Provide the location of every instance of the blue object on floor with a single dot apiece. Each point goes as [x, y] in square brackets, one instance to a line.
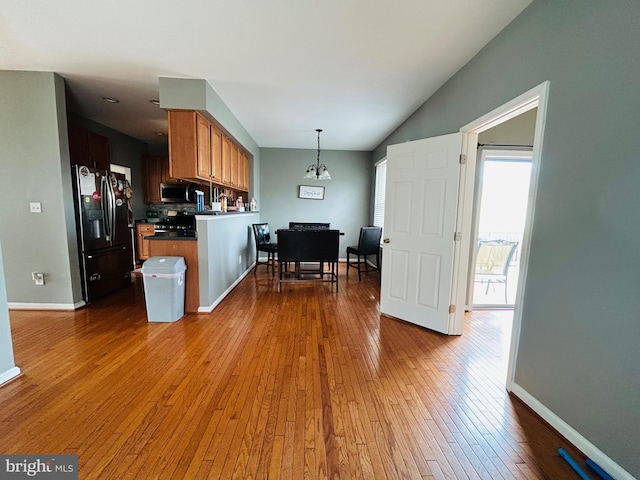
[596, 468]
[572, 463]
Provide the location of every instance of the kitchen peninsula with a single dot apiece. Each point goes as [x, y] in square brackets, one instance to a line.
[220, 256]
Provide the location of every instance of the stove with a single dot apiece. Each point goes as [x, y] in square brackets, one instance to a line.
[177, 226]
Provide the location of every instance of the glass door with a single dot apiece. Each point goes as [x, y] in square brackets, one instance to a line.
[502, 206]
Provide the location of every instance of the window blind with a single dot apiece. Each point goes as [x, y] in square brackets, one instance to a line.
[378, 202]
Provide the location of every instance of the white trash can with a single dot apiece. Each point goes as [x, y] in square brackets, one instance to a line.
[164, 288]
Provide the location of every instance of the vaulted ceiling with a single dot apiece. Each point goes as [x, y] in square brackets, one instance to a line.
[355, 68]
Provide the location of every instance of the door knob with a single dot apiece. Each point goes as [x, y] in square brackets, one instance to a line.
[386, 240]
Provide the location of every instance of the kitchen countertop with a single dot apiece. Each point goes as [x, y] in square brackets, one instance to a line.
[209, 212]
[169, 237]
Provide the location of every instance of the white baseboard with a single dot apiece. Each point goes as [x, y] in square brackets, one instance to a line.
[9, 374]
[45, 306]
[566, 430]
[210, 308]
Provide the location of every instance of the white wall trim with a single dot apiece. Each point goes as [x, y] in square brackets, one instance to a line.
[580, 442]
[44, 306]
[9, 374]
[217, 301]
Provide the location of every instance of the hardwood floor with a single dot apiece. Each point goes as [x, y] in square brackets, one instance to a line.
[307, 383]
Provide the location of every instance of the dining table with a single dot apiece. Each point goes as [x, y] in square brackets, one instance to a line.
[304, 247]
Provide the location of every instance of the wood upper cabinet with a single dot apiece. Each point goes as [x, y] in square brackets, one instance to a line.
[203, 151]
[88, 148]
[234, 165]
[216, 154]
[166, 177]
[151, 178]
[189, 146]
[226, 160]
[99, 154]
[243, 171]
[199, 152]
[155, 171]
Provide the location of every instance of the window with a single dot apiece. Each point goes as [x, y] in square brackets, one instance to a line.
[378, 201]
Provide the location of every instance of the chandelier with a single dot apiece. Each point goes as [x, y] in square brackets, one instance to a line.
[318, 171]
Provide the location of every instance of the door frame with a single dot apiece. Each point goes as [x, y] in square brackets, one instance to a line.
[535, 97]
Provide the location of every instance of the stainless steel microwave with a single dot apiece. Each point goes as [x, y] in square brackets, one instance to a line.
[177, 193]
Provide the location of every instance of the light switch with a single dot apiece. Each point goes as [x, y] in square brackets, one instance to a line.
[36, 207]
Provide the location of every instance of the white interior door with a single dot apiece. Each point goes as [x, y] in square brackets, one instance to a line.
[420, 222]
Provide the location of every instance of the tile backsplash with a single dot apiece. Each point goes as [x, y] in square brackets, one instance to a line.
[163, 209]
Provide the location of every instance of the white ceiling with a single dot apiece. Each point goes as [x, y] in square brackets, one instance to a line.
[355, 68]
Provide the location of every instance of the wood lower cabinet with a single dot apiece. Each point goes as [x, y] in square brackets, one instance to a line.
[188, 249]
[142, 245]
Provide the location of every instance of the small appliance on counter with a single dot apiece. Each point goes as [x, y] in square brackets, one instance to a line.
[200, 200]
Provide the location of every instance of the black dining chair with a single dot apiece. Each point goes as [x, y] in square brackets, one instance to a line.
[368, 244]
[264, 244]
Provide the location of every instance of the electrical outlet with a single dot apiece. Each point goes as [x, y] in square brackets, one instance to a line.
[38, 278]
[35, 207]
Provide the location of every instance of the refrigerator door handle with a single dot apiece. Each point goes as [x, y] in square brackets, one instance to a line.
[103, 205]
[112, 206]
[106, 207]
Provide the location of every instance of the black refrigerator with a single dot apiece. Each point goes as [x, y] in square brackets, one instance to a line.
[104, 237]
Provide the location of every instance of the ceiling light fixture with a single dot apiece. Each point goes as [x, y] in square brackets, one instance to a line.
[155, 102]
[318, 171]
[110, 100]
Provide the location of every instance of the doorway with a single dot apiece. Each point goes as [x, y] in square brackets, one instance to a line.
[536, 98]
[430, 196]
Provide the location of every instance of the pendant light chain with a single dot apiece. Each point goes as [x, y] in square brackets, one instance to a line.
[318, 130]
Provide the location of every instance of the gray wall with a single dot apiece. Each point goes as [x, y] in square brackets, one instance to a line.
[35, 167]
[222, 241]
[34, 160]
[347, 194]
[6, 347]
[578, 351]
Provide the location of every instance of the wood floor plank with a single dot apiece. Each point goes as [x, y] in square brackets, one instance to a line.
[306, 383]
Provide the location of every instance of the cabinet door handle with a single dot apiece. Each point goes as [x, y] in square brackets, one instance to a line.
[386, 240]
